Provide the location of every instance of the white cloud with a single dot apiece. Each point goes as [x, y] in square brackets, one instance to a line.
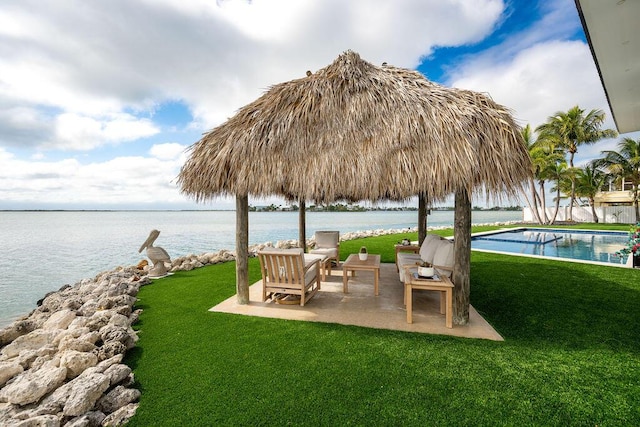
[539, 81]
[78, 75]
[74, 131]
[82, 62]
[122, 180]
[168, 151]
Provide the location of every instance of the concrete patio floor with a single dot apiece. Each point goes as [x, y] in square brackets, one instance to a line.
[361, 308]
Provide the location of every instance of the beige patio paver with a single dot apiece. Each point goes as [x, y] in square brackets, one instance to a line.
[360, 308]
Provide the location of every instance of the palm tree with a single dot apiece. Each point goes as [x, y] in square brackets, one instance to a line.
[573, 129]
[547, 160]
[588, 182]
[527, 136]
[557, 173]
[625, 163]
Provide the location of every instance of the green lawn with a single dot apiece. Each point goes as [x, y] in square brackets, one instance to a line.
[570, 355]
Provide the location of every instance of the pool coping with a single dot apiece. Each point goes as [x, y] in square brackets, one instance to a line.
[581, 261]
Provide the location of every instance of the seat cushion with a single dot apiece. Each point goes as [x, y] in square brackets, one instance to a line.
[429, 247]
[311, 275]
[444, 257]
[406, 258]
[327, 239]
[327, 252]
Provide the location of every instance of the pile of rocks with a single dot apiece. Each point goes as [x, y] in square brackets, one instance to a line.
[62, 364]
[189, 262]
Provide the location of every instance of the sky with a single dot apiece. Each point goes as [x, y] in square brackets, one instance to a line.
[100, 99]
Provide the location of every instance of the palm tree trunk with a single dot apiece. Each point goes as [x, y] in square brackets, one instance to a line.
[573, 188]
[635, 203]
[593, 209]
[555, 214]
[543, 202]
[534, 195]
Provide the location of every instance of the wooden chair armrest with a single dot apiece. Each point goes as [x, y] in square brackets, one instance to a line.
[310, 264]
[408, 248]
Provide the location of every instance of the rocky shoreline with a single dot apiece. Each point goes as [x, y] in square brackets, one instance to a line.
[62, 364]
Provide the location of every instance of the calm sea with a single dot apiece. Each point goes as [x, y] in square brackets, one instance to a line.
[42, 251]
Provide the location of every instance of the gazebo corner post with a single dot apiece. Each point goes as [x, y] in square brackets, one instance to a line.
[462, 253]
[302, 225]
[242, 248]
[422, 217]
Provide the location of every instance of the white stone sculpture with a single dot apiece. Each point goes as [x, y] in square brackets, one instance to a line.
[156, 254]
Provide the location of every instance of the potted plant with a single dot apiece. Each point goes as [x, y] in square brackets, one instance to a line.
[633, 246]
[363, 253]
[425, 269]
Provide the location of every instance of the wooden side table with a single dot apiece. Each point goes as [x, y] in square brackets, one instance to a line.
[353, 264]
[442, 284]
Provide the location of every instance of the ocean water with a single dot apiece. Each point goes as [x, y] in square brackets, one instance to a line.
[42, 251]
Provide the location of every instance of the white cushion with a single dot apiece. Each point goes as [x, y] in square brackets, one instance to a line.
[327, 252]
[429, 247]
[405, 258]
[311, 275]
[444, 257]
[327, 239]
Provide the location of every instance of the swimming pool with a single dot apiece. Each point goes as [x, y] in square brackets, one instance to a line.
[572, 245]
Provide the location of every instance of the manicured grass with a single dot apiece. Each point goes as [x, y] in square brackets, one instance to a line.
[570, 355]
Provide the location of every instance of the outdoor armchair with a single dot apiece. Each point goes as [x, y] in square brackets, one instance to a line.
[327, 244]
[285, 272]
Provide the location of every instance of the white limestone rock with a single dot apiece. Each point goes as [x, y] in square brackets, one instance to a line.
[125, 335]
[9, 370]
[31, 341]
[31, 385]
[117, 398]
[119, 320]
[121, 416]
[90, 419]
[85, 390]
[39, 421]
[106, 364]
[76, 362]
[117, 373]
[84, 343]
[13, 331]
[109, 350]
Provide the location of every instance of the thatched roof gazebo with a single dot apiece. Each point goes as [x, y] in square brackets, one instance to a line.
[355, 131]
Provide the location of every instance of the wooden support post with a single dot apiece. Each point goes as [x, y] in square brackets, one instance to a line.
[462, 253]
[302, 226]
[422, 217]
[242, 248]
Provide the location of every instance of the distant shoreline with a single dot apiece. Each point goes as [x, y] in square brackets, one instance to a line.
[260, 211]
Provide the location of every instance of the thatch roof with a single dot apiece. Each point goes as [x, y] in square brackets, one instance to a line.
[356, 131]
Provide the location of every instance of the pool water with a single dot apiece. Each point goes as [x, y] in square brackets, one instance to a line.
[583, 245]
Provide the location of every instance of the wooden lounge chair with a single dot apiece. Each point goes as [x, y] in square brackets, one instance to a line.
[285, 272]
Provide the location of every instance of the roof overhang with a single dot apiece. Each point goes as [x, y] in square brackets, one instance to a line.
[614, 39]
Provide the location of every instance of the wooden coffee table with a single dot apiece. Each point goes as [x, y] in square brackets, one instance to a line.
[353, 264]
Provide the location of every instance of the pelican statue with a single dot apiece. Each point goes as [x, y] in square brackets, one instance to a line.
[156, 254]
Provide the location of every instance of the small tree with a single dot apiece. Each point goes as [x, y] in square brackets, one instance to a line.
[572, 129]
[588, 182]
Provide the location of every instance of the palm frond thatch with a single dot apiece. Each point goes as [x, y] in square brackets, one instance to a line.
[356, 131]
